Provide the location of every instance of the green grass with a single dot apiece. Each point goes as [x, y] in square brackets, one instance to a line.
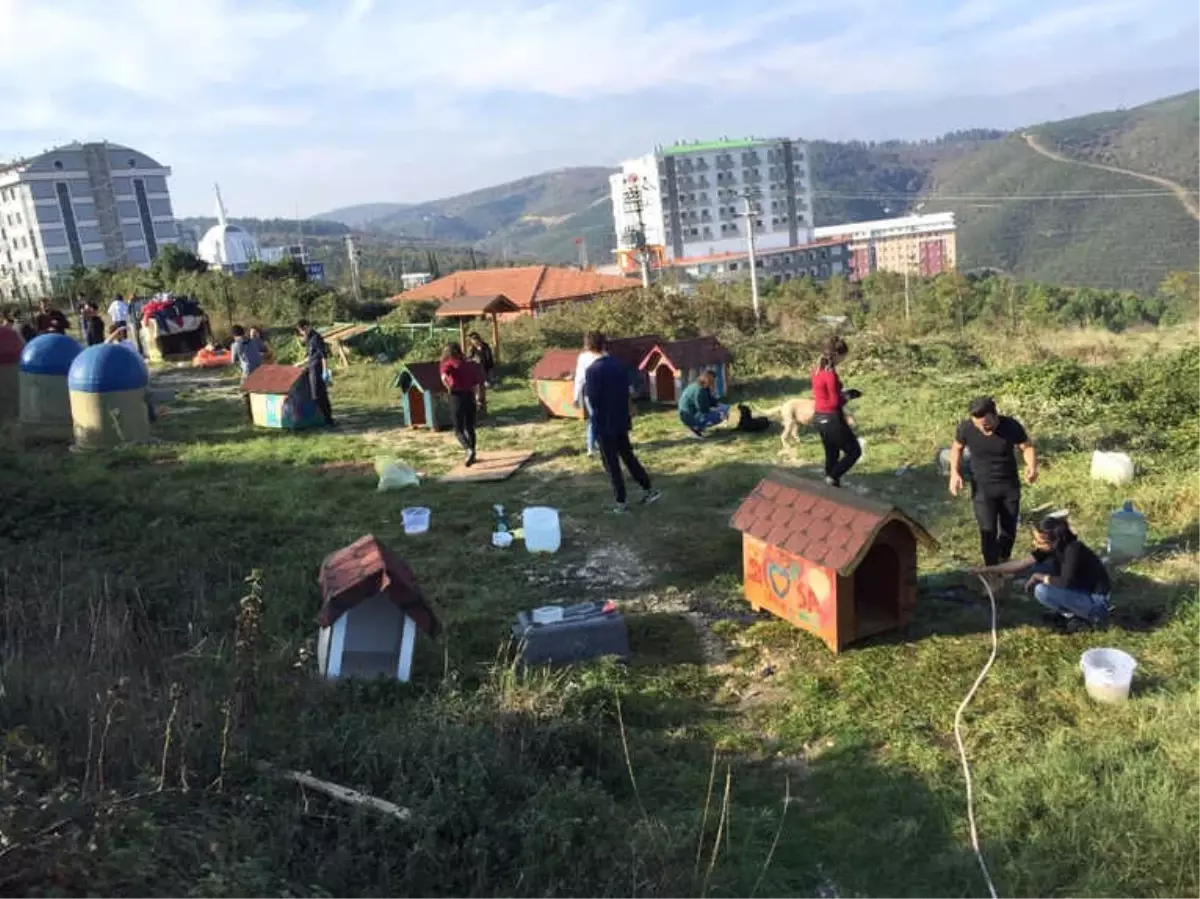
[120, 579]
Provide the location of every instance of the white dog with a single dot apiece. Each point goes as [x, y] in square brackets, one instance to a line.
[797, 414]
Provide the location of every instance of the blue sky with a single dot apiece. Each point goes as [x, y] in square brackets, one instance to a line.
[312, 104]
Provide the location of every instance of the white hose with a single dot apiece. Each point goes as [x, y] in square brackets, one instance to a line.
[962, 752]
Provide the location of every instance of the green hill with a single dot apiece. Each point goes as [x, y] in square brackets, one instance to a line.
[1018, 210]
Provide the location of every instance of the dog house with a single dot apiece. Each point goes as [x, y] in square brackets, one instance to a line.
[424, 400]
[280, 397]
[828, 561]
[670, 367]
[371, 610]
[631, 351]
[554, 383]
[11, 345]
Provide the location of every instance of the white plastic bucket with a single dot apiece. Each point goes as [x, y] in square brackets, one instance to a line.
[1107, 674]
[1112, 468]
[542, 532]
[416, 520]
[502, 539]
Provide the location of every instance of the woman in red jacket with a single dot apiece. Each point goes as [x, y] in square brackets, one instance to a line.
[829, 401]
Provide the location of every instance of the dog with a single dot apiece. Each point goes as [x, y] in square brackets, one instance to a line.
[797, 414]
[748, 421]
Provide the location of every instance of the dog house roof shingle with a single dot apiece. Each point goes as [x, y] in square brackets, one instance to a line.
[367, 568]
[273, 379]
[685, 355]
[827, 525]
[556, 365]
[426, 375]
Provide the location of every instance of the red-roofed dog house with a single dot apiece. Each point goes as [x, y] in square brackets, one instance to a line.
[828, 561]
[280, 397]
[424, 400]
[670, 367]
[371, 610]
[554, 383]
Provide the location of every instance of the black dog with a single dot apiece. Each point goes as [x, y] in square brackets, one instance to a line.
[747, 421]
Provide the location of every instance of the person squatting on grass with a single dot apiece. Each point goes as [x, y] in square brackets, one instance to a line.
[995, 485]
[698, 407]
[462, 378]
[829, 412]
[607, 390]
[1066, 576]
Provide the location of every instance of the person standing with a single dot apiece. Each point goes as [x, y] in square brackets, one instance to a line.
[118, 311]
[698, 407]
[995, 485]
[462, 378]
[607, 390]
[50, 320]
[316, 361]
[841, 445]
[93, 325]
[481, 354]
[246, 353]
[582, 363]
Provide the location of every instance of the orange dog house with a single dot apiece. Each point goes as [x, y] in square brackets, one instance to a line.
[828, 561]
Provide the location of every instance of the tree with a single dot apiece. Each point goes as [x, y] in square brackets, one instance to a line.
[173, 261]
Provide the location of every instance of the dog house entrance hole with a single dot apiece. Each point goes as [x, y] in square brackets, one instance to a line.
[877, 589]
[664, 384]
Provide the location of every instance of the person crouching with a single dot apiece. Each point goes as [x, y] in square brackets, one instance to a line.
[699, 409]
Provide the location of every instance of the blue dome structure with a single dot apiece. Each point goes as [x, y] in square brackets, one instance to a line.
[49, 354]
[107, 368]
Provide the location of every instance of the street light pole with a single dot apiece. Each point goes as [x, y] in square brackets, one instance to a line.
[749, 213]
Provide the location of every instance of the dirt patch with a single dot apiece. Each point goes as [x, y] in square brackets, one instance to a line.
[604, 568]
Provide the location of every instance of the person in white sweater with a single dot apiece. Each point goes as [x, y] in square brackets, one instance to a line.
[586, 358]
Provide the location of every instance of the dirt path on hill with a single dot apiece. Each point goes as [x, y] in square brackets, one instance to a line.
[1185, 196]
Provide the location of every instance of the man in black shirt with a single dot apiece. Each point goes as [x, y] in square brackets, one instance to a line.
[1066, 576]
[93, 325]
[316, 362]
[995, 485]
[50, 320]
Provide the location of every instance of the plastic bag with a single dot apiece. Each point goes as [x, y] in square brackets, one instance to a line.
[394, 474]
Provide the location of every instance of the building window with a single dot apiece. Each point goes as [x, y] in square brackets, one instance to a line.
[58, 164]
[139, 188]
[68, 215]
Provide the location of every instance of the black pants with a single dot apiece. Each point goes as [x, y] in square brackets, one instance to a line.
[320, 393]
[997, 511]
[462, 411]
[841, 446]
[615, 449]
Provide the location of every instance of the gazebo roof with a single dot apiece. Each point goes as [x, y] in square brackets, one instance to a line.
[473, 307]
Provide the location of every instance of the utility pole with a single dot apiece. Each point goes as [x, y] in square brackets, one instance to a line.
[635, 205]
[355, 280]
[748, 196]
[581, 242]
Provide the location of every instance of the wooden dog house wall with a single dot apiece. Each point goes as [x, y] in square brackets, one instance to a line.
[828, 561]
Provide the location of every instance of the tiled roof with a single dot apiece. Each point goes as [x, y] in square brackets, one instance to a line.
[364, 569]
[428, 376]
[467, 306]
[556, 365]
[524, 285]
[684, 355]
[273, 379]
[631, 350]
[829, 526]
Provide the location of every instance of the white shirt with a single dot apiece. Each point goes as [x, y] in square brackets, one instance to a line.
[118, 311]
[582, 364]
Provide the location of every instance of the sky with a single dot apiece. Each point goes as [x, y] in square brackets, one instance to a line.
[303, 106]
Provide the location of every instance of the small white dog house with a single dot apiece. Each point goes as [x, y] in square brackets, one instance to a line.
[371, 610]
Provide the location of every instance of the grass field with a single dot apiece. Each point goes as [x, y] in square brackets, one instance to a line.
[734, 756]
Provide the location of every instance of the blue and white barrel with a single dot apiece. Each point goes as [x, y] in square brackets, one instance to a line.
[108, 397]
[45, 404]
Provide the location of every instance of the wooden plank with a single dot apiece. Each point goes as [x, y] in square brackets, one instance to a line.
[489, 466]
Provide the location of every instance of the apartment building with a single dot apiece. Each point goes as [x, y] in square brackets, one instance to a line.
[689, 200]
[918, 244]
[80, 205]
[817, 260]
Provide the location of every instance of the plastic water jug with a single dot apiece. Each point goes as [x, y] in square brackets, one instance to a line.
[1112, 468]
[1126, 532]
[501, 520]
[542, 533]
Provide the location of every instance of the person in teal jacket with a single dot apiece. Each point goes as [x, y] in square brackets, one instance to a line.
[698, 407]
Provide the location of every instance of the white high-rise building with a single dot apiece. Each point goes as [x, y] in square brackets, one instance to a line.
[692, 199]
[80, 205]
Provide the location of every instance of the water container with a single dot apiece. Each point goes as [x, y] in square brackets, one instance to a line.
[542, 533]
[1126, 532]
[501, 520]
[1107, 674]
[1112, 468]
[416, 520]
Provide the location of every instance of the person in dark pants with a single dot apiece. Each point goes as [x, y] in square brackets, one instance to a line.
[606, 387]
[481, 354]
[462, 378]
[93, 325]
[316, 360]
[829, 412]
[995, 484]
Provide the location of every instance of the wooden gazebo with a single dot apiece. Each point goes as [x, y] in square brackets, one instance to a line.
[467, 307]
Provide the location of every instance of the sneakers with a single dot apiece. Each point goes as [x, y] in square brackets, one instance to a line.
[651, 496]
[832, 482]
[620, 509]
[470, 460]
[697, 433]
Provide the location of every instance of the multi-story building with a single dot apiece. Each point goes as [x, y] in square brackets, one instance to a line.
[916, 244]
[80, 205]
[819, 260]
[689, 200]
